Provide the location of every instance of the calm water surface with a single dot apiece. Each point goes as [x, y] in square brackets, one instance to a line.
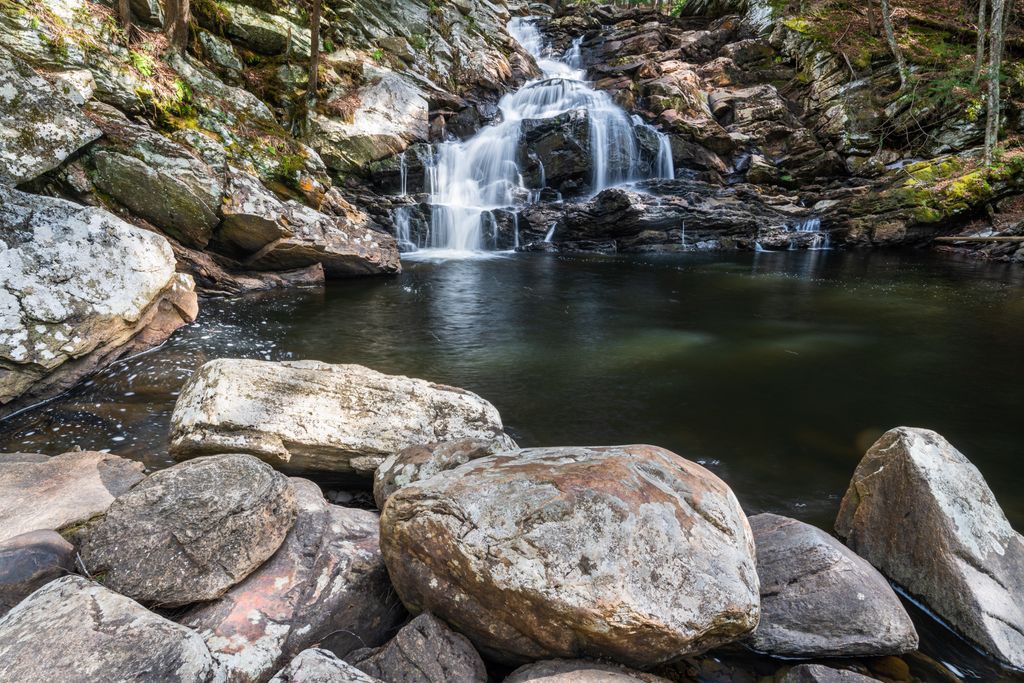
[775, 370]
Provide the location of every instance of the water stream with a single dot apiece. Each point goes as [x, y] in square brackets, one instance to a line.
[468, 180]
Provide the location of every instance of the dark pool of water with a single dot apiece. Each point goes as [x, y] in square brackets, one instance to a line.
[775, 370]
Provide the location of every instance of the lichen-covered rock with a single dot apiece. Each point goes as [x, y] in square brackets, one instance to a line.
[320, 666]
[39, 128]
[579, 671]
[920, 511]
[73, 629]
[818, 599]
[512, 550]
[424, 651]
[30, 560]
[817, 673]
[266, 33]
[79, 289]
[326, 585]
[190, 532]
[317, 416]
[43, 492]
[423, 461]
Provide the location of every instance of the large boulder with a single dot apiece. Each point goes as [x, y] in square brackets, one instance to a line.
[422, 461]
[80, 288]
[263, 32]
[579, 671]
[190, 532]
[512, 550]
[39, 128]
[42, 492]
[918, 510]
[424, 651]
[320, 666]
[326, 585]
[315, 416]
[818, 599]
[73, 629]
[29, 561]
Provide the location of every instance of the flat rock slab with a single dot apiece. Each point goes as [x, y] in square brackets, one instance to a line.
[817, 673]
[819, 599]
[326, 585]
[320, 666]
[625, 552]
[39, 128]
[29, 561]
[190, 532]
[77, 631]
[424, 651]
[919, 511]
[40, 492]
[579, 671]
[308, 415]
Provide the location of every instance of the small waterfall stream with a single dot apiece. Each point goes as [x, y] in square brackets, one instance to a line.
[468, 180]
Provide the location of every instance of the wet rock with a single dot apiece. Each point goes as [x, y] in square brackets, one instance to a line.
[316, 416]
[816, 673]
[30, 560]
[922, 513]
[39, 128]
[81, 288]
[818, 599]
[320, 666]
[41, 492]
[556, 151]
[284, 607]
[424, 651]
[190, 532]
[75, 628]
[511, 551]
[420, 462]
[579, 671]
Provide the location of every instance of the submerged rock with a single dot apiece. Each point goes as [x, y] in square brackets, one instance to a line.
[42, 492]
[190, 532]
[424, 651]
[315, 416]
[419, 462]
[922, 513]
[80, 289]
[30, 560]
[74, 629]
[39, 128]
[818, 599]
[579, 671]
[512, 551]
[320, 666]
[326, 585]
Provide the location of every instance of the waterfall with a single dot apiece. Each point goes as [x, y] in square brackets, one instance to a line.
[467, 180]
[403, 171]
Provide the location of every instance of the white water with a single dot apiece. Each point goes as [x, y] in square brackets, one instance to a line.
[468, 180]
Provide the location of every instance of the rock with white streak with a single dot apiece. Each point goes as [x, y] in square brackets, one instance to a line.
[314, 416]
[512, 551]
[78, 631]
[39, 127]
[919, 511]
[326, 585]
[79, 288]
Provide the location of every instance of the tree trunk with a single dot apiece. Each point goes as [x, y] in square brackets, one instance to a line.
[979, 53]
[124, 15]
[178, 19]
[995, 67]
[894, 47]
[872, 29]
[314, 51]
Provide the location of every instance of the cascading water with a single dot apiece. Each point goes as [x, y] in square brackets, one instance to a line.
[468, 180]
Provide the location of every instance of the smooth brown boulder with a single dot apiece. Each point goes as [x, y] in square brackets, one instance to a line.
[625, 552]
[29, 561]
[326, 585]
[424, 651]
[819, 599]
[190, 532]
[40, 492]
[920, 512]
